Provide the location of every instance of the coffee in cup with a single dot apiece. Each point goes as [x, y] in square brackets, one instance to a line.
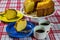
[46, 24]
[39, 32]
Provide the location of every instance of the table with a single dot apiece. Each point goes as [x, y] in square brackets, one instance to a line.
[18, 5]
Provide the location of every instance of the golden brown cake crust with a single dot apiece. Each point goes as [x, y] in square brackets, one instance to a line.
[28, 6]
[45, 9]
[43, 5]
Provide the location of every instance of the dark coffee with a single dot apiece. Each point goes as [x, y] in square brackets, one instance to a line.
[44, 23]
[40, 31]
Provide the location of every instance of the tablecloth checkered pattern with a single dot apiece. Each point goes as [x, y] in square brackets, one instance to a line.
[18, 5]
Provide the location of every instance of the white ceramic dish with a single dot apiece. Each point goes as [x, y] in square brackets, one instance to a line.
[36, 17]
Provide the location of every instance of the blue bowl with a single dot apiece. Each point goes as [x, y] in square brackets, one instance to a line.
[13, 33]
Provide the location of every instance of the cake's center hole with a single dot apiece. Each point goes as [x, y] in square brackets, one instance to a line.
[36, 5]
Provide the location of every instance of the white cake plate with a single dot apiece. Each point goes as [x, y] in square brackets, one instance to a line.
[36, 19]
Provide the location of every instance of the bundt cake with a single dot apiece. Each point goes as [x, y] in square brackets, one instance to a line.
[20, 25]
[28, 6]
[10, 13]
[45, 8]
[42, 7]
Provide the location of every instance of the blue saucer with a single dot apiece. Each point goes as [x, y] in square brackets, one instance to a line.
[13, 33]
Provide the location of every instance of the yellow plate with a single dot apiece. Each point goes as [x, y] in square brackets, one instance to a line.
[19, 16]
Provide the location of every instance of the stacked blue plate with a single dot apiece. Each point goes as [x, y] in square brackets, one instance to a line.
[13, 33]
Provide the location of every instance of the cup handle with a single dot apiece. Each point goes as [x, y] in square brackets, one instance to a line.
[48, 32]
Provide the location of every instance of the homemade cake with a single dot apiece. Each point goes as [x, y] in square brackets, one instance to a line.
[28, 6]
[45, 8]
[39, 7]
[20, 25]
[10, 13]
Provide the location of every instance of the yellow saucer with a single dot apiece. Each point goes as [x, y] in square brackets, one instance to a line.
[19, 16]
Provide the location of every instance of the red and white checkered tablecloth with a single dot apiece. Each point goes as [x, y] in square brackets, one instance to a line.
[18, 5]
